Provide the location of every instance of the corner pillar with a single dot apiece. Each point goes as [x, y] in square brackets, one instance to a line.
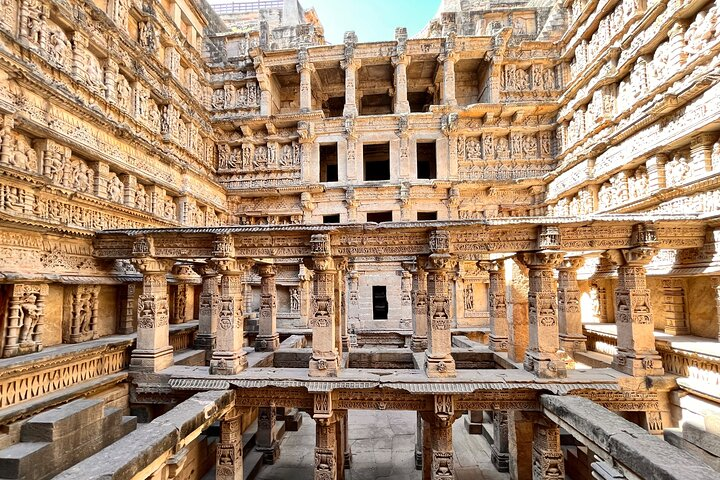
[266, 439]
[402, 106]
[351, 67]
[419, 340]
[569, 315]
[438, 358]
[496, 305]
[499, 451]
[209, 310]
[548, 462]
[268, 339]
[448, 87]
[305, 69]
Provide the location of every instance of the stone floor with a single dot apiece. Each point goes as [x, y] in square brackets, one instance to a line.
[383, 445]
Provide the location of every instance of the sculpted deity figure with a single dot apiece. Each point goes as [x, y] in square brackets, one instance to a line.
[294, 299]
[170, 209]
[24, 156]
[141, 197]
[115, 189]
[58, 46]
[716, 156]
[521, 79]
[29, 313]
[530, 146]
[286, 159]
[469, 297]
[503, 149]
[472, 149]
[123, 93]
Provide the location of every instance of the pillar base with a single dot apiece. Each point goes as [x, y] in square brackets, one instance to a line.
[650, 364]
[324, 367]
[677, 330]
[418, 343]
[418, 459]
[151, 360]
[498, 344]
[500, 460]
[228, 363]
[204, 341]
[402, 108]
[545, 365]
[573, 343]
[267, 343]
[439, 367]
[270, 454]
[348, 459]
[350, 110]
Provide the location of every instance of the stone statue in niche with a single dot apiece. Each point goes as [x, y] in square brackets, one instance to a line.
[25, 319]
[84, 313]
[147, 37]
[22, 156]
[115, 189]
[35, 21]
[294, 300]
[81, 177]
[123, 93]
[141, 197]
[170, 209]
[94, 74]
[677, 170]
[469, 296]
[29, 315]
[13, 199]
[58, 47]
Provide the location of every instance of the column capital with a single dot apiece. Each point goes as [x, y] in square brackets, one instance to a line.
[230, 266]
[149, 265]
[543, 259]
[571, 263]
[350, 63]
[305, 67]
[449, 56]
[205, 270]
[266, 269]
[400, 59]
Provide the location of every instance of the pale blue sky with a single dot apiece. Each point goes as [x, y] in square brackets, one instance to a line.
[372, 20]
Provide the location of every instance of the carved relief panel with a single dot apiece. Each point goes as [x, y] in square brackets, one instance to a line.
[80, 313]
[24, 320]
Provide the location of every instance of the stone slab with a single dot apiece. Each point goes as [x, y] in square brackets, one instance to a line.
[60, 421]
[699, 436]
[22, 457]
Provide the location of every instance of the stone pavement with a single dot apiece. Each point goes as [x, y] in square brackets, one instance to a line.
[383, 445]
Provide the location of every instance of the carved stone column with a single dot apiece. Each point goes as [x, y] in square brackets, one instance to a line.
[448, 87]
[341, 335]
[419, 442]
[674, 307]
[183, 304]
[548, 462]
[25, 319]
[229, 464]
[440, 424]
[351, 67]
[209, 310]
[353, 280]
[324, 361]
[496, 305]
[499, 451]
[438, 359]
[701, 148]
[341, 441]
[229, 357]
[656, 171]
[541, 356]
[266, 440]
[676, 35]
[126, 325]
[636, 354]
[400, 62]
[153, 351]
[326, 459]
[6, 139]
[569, 316]
[419, 341]
[268, 339]
[305, 69]
[716, 288]
[111, 72]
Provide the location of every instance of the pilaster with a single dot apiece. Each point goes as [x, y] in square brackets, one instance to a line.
[438, 359]
[268, 339]
[569, 315]
[496, 305]
[351, 66]
[129, 310]
[305, 69]
[266, 440]
[499, 451]
[701, 148]
[674, 306]
[400, 62]
[548, 462]
[209, 310]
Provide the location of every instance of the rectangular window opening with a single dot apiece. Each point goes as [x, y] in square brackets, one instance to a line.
[380, 302]
[426, 160]
[379, 217]
[376, 161]
[427, 216]
[329, 162]
[331, 218]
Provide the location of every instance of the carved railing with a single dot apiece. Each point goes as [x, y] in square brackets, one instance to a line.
[698, 366]
[183, 338]
[33, 379]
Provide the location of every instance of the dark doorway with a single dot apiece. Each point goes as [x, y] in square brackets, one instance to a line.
[380, 303]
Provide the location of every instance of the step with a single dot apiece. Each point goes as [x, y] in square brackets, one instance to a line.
[252, 463]
[22, 457]
[593, 359]
[48, 426]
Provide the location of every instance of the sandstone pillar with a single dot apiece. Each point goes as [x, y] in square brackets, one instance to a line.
[716, 288]
[268, 339]
[126, 324]
[25, 319]
[182, 306]
[305, 69]
[341, 442]
[438, 359]
[266, 440]
[676, 35]
[439, 431]
[499, 451]
[569, 316]
[324, 361]
[326, 450]
[153, 351]
[516, 300]
[448, 87]
[209, 310]
[496, 305]
[419, 341]
[346, 438]
[701, 148]
[341, 333]
[419, 442]
[229, 463]
[636, 354]
[542, 357]
[400, 62]
[520, 441]
[79, 56]
[351, 67]
[229, 357]
[548, 462]
[656, 171]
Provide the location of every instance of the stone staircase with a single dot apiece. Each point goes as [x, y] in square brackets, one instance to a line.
[56, 439]
[699, 438]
